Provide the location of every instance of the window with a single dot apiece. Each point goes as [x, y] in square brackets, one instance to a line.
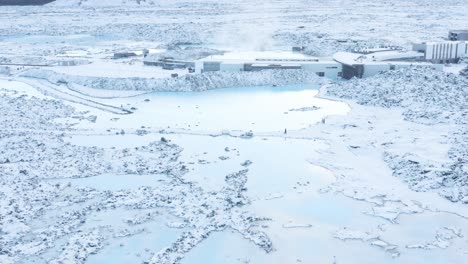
[340, 74]
[321, 74]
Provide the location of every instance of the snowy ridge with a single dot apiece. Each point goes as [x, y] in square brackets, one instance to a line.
[427, 97]
[101, 3]
[201, 82]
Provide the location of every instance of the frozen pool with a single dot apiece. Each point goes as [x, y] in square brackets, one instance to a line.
[278, 164]
[282, 184]
[137, 248]
[260, 109]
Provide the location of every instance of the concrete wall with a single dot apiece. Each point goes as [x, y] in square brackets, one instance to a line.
[446, 51]
[207, 66]
[233, 67]
[210, 66]
[373, 69]
[66, 63]
[198, 67]
[331, 70]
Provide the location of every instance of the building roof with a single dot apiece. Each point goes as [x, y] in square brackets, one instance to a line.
[261, 55]
[395, 55]
[350, 58]
[270, 57]
[377, 49]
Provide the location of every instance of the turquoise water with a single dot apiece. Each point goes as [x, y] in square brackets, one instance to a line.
[260, 109]
[279, 164]
[137, 248]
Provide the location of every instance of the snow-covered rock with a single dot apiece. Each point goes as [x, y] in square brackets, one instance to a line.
[427, 97]
[199, 82]
[37, 168]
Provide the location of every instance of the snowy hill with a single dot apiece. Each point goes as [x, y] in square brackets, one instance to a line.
[24, 2]
[101, 3]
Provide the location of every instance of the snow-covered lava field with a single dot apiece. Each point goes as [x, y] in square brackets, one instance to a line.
[113, 161]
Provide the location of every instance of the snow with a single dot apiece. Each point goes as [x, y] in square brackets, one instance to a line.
[272, 212]
[427, 97]
[112, 69]
[80, 245]
[99, 165]
[198, 82]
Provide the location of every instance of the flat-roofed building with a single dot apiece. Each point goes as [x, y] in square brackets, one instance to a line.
[258, 61]
[270, 66]
[457, 35]
[443, 52]
[366, 65]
